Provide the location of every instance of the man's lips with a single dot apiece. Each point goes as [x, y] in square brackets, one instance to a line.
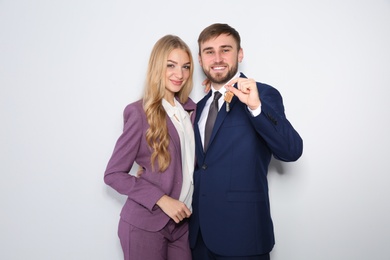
[218, 67]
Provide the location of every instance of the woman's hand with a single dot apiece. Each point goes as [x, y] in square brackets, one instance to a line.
[207, 84]
[175, 209]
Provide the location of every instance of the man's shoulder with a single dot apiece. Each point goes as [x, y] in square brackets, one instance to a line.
[203, 100]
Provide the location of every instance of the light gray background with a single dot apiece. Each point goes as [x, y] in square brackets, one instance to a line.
[68, 68]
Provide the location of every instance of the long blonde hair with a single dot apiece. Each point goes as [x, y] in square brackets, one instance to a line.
[157, 135]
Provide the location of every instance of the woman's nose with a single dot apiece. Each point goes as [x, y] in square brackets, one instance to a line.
[179, 73]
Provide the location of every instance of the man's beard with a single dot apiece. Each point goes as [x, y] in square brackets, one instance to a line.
[219, 78]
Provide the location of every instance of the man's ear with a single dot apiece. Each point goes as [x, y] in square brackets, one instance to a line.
[240, 55]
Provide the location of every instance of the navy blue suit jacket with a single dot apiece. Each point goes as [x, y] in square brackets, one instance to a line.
[231, 201]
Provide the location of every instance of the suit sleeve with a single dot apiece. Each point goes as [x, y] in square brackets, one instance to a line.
[273, 126]
[125, 153]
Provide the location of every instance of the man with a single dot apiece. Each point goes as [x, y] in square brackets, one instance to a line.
[231, 212]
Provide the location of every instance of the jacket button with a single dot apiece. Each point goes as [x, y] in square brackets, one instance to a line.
[204, 166]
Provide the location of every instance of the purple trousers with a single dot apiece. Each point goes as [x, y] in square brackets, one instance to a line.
[170, 243]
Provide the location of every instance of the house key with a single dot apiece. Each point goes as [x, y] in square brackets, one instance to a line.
[228, 98]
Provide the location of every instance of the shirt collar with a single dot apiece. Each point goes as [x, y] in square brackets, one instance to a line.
[172, 110]
[168, 107]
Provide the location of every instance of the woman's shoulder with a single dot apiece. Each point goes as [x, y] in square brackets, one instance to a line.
[134, 105]
[189, 104]
[134, 108]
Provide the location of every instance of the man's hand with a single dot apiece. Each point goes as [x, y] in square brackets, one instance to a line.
[246, 91]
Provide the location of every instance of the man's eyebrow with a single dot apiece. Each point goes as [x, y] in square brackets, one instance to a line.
[220, 47]
[208, 48]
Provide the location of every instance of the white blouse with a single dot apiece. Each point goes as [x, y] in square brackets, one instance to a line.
[182, 122]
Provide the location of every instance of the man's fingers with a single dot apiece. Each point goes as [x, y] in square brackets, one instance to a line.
[233, 89]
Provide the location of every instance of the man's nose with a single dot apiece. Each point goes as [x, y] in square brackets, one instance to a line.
[218, 57]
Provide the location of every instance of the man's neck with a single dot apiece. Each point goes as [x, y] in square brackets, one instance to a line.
[218, 86]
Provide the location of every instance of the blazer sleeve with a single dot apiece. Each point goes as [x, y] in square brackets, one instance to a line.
[127, 149]
[273, 126]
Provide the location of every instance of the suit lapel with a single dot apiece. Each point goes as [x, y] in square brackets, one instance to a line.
[200, 106]
[198, 142]
[218, 122]
[172, 132]
[221, 117]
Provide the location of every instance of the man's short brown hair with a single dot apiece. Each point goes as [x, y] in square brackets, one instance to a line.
[215, 30]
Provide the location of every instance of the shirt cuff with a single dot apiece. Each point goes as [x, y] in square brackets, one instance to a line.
[255, 112]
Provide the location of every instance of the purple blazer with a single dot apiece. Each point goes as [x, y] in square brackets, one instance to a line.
[143, 192]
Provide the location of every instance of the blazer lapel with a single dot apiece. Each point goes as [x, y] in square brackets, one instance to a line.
[174, 135]
[198, 142]
[221, 116]
[218, 122]
[200, 106]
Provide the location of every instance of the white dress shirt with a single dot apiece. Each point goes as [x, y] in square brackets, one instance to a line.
[182, 122]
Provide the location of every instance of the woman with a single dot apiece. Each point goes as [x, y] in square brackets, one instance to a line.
[158, 136]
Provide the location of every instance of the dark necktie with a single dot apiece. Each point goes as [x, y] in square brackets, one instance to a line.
[211, 118]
